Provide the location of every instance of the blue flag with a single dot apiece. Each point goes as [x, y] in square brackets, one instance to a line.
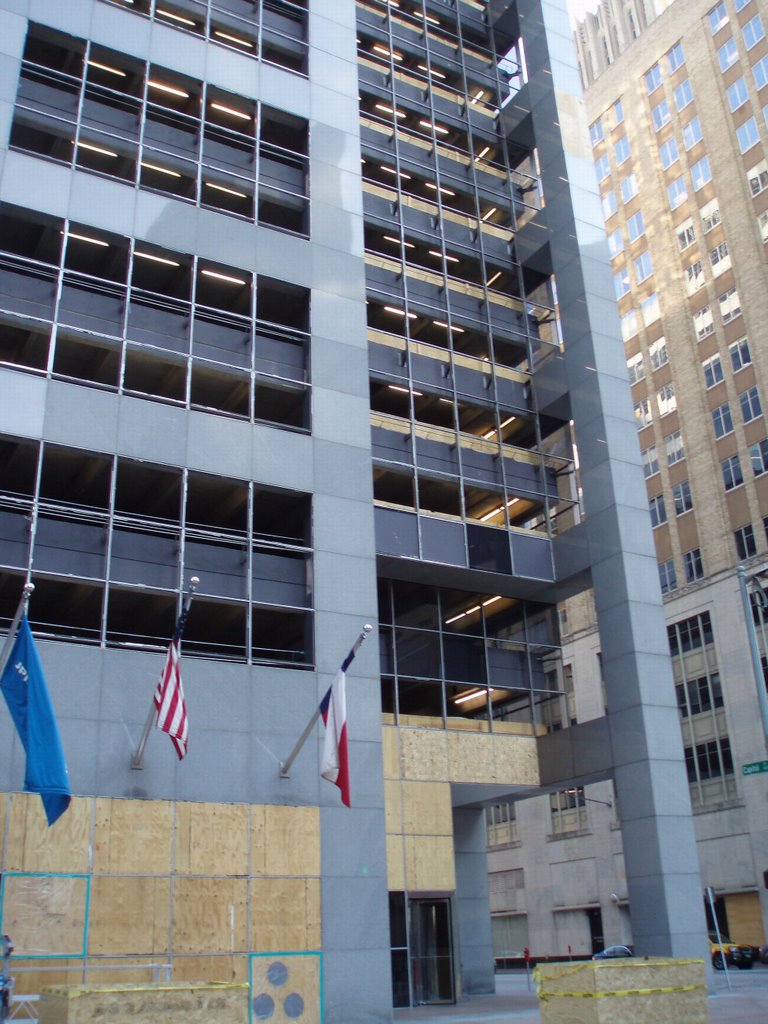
[26, 694]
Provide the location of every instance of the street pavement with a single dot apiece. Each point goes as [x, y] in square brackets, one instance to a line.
[516, 1002]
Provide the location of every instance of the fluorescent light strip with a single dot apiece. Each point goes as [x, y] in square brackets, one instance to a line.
[391, 238]
[443, 189]
[495, 277]
[106, 67]
[87, 238]
[172, 90]
[406, 391]
[223, 277]
[232, 111]
[389, 110]
[430, 71]
[456, 330]
[473, 693]
[401, 312]
[491, 600]
[450, 259]
[232, 39]
[482, 153]
[378, 48]
[489, 213]
[393, 170]
[156, 259]
[229, 191]
[96, 149]
[175, 17]
[160, 170]
[438, 128]
[478, 96]
[490, 515]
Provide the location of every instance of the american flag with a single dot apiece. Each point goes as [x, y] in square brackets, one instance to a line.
[169, 696]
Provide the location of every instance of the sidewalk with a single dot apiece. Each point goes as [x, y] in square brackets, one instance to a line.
[747, 1003]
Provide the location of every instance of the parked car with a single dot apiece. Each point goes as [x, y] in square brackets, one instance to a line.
[613, 953]
[737, 954]
[762, 954]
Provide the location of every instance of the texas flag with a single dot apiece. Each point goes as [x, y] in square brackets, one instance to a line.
[334, 764]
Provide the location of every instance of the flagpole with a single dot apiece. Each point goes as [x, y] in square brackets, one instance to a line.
[136, 762]
[5, 654]
[285, 766]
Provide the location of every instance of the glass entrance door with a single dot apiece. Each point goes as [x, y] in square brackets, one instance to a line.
[431, 952]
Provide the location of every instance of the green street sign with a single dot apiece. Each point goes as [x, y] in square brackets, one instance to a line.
[755, 768]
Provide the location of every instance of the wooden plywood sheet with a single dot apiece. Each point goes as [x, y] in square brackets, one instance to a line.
[285, 914]
[427, 808]
[393, 808]
[390, 752]
[424, 754]
[210, 915]
[133, 837]
[33, 846]
[129, 915]
[45, 914]
[516, 760]
[126, 1004]
[395, 863]
[471, 758]
[286, 989]
[429, 863]
[224, 969]
[211, 839]
[285, 841]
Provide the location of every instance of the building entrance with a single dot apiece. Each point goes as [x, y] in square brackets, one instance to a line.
[431, 952]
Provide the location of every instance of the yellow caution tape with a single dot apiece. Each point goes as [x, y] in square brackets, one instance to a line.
[620, 992]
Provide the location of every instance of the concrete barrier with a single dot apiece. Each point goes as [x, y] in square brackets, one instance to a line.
[185, 1003]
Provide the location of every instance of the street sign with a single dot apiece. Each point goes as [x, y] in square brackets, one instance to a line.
[755, 768]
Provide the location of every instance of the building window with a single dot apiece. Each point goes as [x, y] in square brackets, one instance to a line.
[615, 242]
[690, 634]
[596, 133]
[696, 696]
[713, 371]
[758, 456]
[501, 825]
[762, 226]
[740, 355]
[643, 266]
[694, 277]
[730, 305]
[618, 113]
[642, 413]
[629, 327]
[668, 153]
[666, 400]
[719, 258]
[621, 151]
[753, 31]
[703, 323]
[686, 235]
[744, 539]
[621, 282]
[602, 167]
[709, 760]
[750, 405]
[635, 226]
[657, 510]
[658, 353]
[760, 73]
[683, 94]
[650, 459]
[710, 215]
[677, 192]
[681, 495]
[675, 57]
[700, 173]
[692, 133]
[568, 810]
[636, 368]
[717, 17]
[650, 309]
[608, 202]
[757, 177]
[660, 115]
[737, 94]
[747, 135]
[731, 470]
[674, 448]
[727, 55]
[722, 420]
[693, 566]
[653, 79]
[628, 187]
[667, 577]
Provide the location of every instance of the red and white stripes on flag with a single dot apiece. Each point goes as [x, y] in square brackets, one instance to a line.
[334, 764]
[169, 695]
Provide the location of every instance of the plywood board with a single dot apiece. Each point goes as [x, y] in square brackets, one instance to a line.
[129, 915]
[390, 752]
[429, 864]
[471, 758]
[211, 839]
[393, 817]
[423, 754]
[516, 760]
[224, 969]
[33, 846]
[133, 837]
[285, 841]
[285, 914]
[286, 989]
[126, 1004]
[395, 863]
[45, 914]
[210, 915]
[427, 808]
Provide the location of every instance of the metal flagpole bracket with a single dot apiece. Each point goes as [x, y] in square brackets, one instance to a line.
[138, 757]
[285, 766]
[13, 629]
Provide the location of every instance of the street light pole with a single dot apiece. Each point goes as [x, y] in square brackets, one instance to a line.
[757, 668]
